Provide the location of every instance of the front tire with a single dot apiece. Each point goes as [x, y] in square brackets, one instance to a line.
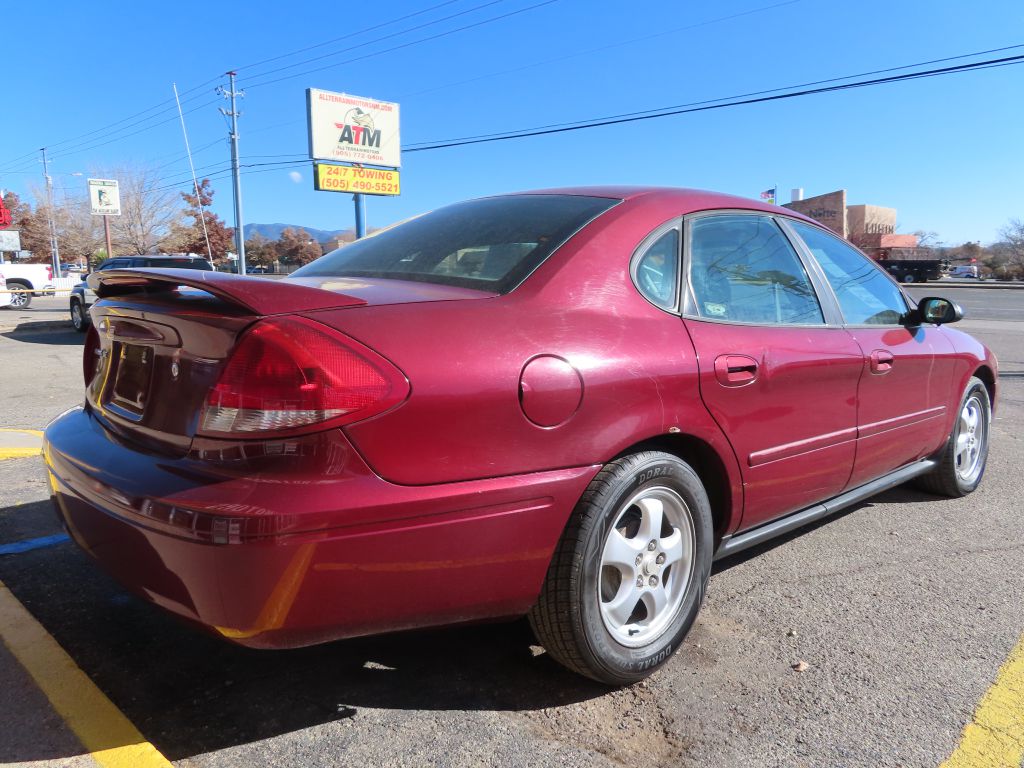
[629, 575]
[79, 319]
[962, 459]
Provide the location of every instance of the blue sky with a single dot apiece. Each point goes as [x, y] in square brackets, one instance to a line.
[947, 152]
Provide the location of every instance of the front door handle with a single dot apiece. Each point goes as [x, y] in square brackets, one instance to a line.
[735, 370]
[881, 361]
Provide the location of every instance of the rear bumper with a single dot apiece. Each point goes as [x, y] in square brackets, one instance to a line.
[297, 542]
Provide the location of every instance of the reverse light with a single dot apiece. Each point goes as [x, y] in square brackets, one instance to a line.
[288, 374]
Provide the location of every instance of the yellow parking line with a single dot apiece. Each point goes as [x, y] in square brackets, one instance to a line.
[109, 736]
[995, 737]
[18, 453]
[23, 443]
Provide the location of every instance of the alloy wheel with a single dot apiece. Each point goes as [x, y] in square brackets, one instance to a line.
[646, 566]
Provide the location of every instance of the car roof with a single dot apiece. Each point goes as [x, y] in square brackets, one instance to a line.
[685, 200]
[157, 257]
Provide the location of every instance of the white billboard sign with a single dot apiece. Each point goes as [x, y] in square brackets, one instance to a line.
[104, 197]
[10, 240]
[351, 129]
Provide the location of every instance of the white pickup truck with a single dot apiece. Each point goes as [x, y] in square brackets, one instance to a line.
[26, 280]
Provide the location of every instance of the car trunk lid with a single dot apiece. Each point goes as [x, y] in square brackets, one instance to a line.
[161, 349]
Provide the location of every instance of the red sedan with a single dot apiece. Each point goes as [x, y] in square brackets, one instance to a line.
[563, 404]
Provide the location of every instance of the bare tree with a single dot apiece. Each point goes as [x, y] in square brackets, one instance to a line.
[147, 211]
[1013, 236]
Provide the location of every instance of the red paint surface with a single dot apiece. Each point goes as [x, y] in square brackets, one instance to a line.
[447, 507]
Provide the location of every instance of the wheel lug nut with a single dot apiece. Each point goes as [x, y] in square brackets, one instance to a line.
[652, 546]
[639, 559]
[639, 581]
[660, 558]
[653, 581]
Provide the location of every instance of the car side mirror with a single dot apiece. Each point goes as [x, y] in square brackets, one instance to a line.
[935, 310]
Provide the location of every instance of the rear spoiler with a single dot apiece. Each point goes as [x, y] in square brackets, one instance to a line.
[257, 295]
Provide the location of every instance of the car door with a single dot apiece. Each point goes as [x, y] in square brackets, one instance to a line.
[777, 371]
[907, 370]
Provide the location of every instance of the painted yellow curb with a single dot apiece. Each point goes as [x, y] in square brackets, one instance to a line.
[995, 737]
[109, 736]
[20, 443]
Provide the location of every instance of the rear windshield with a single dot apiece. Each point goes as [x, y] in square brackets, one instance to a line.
[181, 264]
[492, 244]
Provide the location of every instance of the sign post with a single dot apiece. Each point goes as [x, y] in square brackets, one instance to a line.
[105, 201]
[359, 131]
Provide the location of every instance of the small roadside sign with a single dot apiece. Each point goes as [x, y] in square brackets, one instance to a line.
[104, 197]
[366, 181]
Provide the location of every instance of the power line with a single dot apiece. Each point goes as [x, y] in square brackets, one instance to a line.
[756, 93]
[670, 111]
[405, 45]
[346, 37]
[169, 106]
[611, 46]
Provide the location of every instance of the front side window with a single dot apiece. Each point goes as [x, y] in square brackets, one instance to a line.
[492, 244]
[866, 296]
[657, 271]
[743, 269]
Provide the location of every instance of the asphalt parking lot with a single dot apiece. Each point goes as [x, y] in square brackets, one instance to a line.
[904, 609]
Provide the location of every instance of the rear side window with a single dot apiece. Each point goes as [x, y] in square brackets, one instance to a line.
[178, 264]
[492, 244]
[866, 296]
[743, 269]
[657, 272]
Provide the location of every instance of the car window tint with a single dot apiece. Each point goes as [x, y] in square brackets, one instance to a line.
[742, 268]
[492, 244]
[866, 296]
[181, 264]
[657, 272]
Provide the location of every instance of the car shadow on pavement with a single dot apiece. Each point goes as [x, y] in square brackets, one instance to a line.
[900, 494]
[190, 693]
[45, 332]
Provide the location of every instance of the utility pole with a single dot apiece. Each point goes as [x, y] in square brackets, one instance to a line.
[360, 215]
[231, 93]
[54, 253]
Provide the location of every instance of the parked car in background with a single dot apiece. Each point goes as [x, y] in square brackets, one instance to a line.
[5, 297]
[27, 280]
[564, 404]
[82, 296]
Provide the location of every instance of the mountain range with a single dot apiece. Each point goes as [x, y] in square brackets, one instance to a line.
[273, 231]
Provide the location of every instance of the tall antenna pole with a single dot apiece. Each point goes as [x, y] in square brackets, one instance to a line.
[195, 182]
[54, 252]
[235, 175]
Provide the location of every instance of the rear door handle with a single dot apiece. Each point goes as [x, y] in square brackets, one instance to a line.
[881, 361]
[735, 370]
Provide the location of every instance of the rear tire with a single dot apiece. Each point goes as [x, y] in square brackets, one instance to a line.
[962, 459]
[909, 278]
[629, 574]
[19, 300]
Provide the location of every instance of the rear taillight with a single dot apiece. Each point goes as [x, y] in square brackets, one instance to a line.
[291, 374]
[90, 355]
[49, 273]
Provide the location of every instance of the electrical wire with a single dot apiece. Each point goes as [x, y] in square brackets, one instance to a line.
[671, 111]
[404, 45]
[345, 37]
[375, 40]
